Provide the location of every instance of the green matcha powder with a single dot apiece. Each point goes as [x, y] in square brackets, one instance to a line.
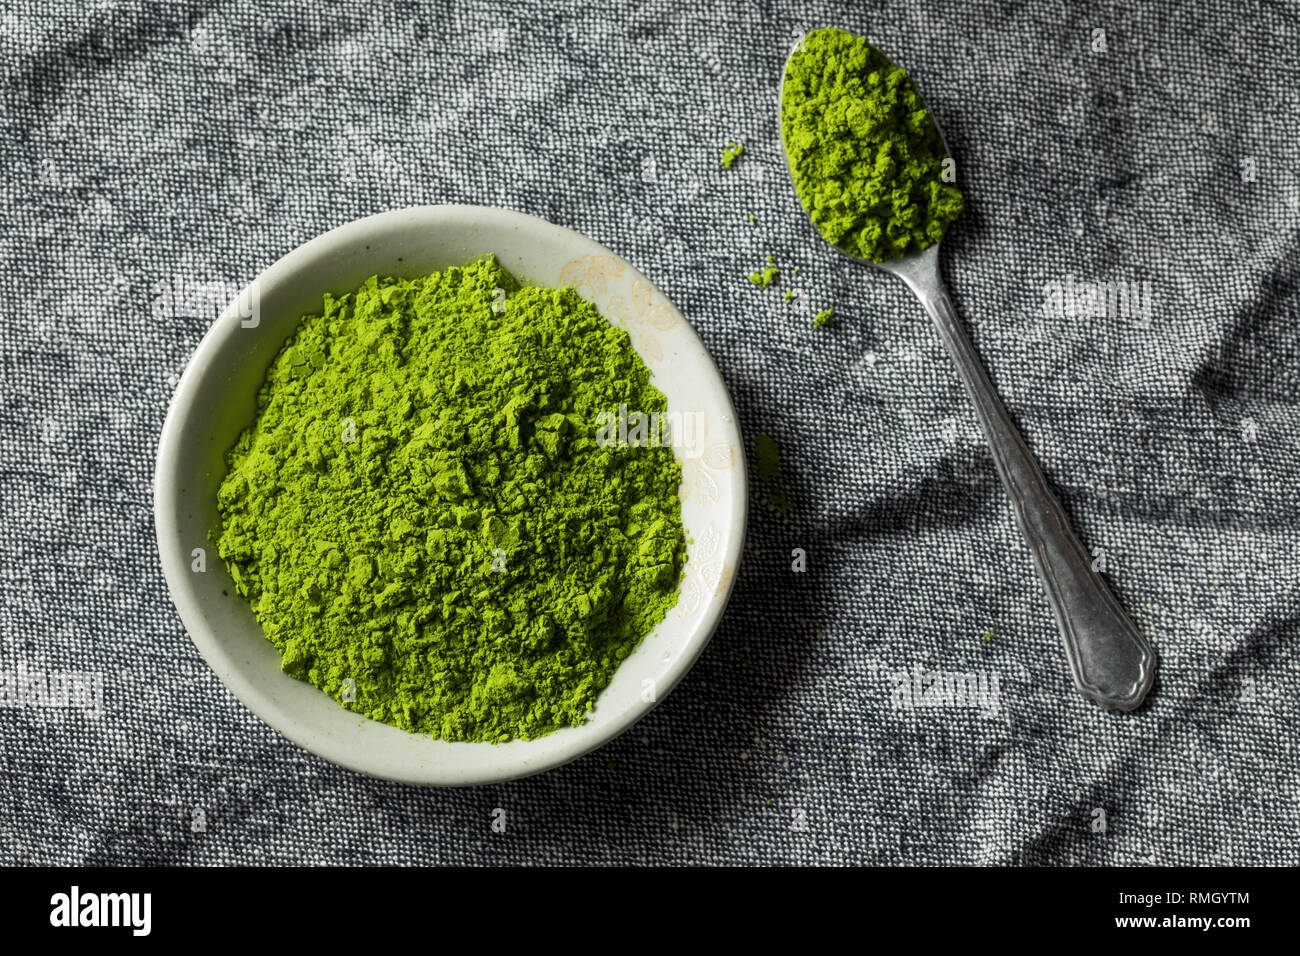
[866, 157]
[424, 521]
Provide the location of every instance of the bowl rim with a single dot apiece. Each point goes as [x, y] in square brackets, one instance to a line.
[167, 501]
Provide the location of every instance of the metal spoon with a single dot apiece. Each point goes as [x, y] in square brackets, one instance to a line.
[1111, 661]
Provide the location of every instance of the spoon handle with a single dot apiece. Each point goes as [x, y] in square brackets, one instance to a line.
[1111, 661]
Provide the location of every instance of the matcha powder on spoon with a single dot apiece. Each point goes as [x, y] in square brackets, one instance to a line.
[865, 154]
[424, 520]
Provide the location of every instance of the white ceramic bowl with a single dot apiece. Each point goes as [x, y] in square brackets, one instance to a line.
[215, 401]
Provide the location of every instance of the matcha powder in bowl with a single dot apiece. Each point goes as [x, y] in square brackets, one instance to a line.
[426, 520]
[867, 160]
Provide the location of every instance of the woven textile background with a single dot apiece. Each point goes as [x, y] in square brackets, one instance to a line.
[153, 148]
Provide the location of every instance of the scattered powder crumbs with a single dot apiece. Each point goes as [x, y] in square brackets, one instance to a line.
[730, 154]
[788, 294]
[767, 276]
[823, 318]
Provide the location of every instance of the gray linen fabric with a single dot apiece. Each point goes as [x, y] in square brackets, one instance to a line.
[155, 154]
